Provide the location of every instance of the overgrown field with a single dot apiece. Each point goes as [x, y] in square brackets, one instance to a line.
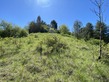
[45, 57]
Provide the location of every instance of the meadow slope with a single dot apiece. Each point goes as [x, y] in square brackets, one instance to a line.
[21, 60]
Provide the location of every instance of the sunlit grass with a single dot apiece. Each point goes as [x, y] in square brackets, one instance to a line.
[20, 61]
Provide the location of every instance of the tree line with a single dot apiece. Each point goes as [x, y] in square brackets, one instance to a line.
[9, 30]
[87, 32]
[91, 31]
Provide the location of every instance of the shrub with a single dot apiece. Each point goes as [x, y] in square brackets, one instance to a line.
[2, 51]
[16, 31]
[94, 41]
[9, 30]
[23, 33]
[33, 69]
[39, 49]
[51, 45]
[52, 30]
[0, 32]
[67, 35]
[64, 29]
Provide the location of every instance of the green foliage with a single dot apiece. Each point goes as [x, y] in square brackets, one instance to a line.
[103, 30]
[64, 29]
[76, 60]
[32, 27]
[38, 26]
[8, 30]
[16, 31]
[87, 32]
[77, 25]
[94, 41]
[1, 31]
[45, 28]
[52, 30]
[33, 69]
[67, 35]
[23, 33]
[53, 45]
[54, 24]
[39, 20]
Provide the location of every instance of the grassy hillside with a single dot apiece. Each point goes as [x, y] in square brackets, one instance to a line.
[32, 59]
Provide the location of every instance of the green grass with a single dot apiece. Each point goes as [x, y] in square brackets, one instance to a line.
[21, 62]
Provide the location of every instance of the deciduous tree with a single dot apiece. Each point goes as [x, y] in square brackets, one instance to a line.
[77, 25]
[64, 29]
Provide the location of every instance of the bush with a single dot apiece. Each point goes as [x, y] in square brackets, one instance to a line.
[8, 30]
[52, 30]
[94, 41]
[67, 35]
[1, 33]
[51, 45]
[16, 32]
[33, 69]
[64, 29]
[23, 33]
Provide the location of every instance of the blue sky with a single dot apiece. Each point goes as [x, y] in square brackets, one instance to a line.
[21, 12]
